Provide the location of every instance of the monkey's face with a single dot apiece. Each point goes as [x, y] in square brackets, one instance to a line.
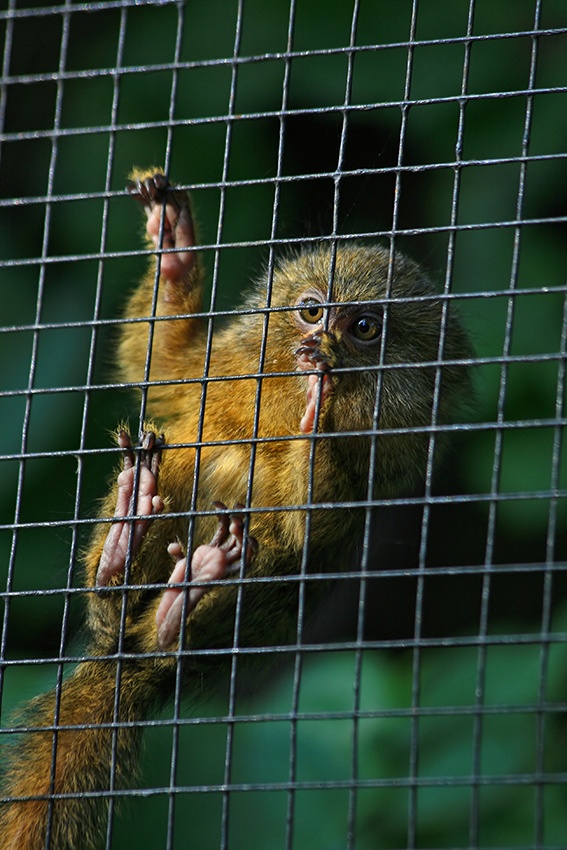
[365, 334]
[339, 337]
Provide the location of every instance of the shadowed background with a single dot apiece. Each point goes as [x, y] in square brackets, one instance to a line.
[89, 88]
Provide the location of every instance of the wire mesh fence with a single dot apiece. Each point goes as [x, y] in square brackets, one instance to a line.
[421, 704]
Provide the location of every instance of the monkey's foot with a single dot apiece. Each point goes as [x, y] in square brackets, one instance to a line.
[148, 502]
[170, 223]
[316, 352]
[210, 562]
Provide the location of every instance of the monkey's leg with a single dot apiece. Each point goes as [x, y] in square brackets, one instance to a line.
[209, 562]
[148, 502]
[171, 230]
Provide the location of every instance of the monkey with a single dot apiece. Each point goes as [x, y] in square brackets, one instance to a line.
[250, 475]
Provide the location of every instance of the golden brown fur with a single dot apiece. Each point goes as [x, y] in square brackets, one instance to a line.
[280, 476]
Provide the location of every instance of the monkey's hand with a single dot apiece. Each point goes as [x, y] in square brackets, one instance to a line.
[211, 562]
[317, 351]
[135, 507]
[118, 545]
[170, 223]
[176, 273]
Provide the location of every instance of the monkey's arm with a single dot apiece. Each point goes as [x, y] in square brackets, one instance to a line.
[169, 226]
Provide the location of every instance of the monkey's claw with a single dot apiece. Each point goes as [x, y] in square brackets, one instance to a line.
[149, 190]
[155, 191]
[148, 450]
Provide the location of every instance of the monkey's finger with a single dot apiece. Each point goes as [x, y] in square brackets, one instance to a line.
[128, 457]
[147, 443]
[236, 527]
[125, 537]
[115, 550]
[151, 445]
[221, 534]
[156, 454]
[174, 549]
[157, 504]
[235, 545]
[252, 547]
[169, 623]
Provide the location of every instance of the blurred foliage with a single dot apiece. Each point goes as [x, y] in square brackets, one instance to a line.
[317, 749]
[74, 287]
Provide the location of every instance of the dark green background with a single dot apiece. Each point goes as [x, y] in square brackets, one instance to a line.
[493, 131]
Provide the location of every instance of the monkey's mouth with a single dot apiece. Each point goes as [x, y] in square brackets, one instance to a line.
[311, 357]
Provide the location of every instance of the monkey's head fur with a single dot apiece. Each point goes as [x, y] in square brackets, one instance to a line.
[382, 341]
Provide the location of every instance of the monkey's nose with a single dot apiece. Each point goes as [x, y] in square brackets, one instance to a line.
[317, 351]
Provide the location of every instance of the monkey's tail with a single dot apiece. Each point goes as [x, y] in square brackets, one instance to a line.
[57, 782]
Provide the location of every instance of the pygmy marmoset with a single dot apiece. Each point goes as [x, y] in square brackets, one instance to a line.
[341, 357]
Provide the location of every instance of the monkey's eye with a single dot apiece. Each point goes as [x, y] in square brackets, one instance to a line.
[311, 312]
[366, 328]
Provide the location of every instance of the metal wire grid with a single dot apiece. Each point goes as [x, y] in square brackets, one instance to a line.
[416, 711]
